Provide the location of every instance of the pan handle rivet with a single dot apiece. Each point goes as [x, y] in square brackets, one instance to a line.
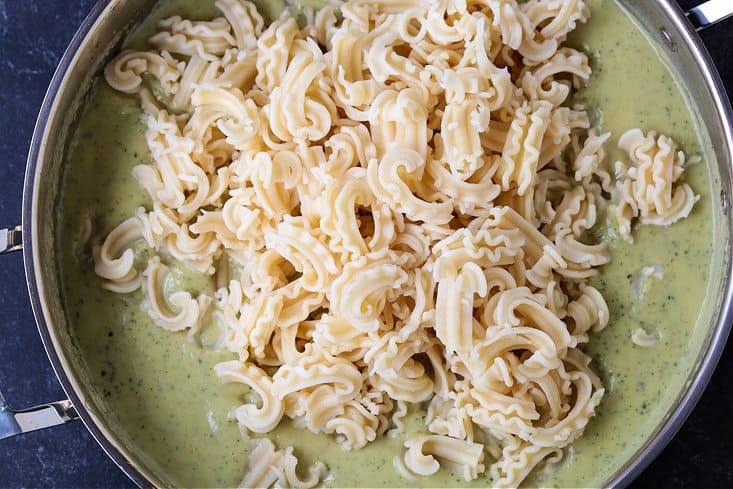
[667, 37]
[724, 202]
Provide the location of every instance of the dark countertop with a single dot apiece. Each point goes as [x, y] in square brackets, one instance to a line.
[33, 35]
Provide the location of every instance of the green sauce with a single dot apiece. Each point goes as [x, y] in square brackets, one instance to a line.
[162, 394]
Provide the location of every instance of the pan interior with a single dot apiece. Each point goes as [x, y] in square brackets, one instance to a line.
[162, 404]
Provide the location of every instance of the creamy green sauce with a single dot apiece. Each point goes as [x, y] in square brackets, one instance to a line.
[164, 399]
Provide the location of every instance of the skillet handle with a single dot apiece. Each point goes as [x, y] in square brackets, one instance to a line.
[14, 422]
[709, 13]
[11, 240]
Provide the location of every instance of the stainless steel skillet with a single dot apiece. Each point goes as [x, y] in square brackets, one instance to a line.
[88, 51]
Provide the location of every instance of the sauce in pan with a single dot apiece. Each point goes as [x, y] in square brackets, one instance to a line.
[161, 391]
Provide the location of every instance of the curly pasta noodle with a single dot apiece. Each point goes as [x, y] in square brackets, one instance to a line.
[405, 198]
[649, 189]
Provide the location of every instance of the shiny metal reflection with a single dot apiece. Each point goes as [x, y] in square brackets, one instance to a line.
[709, 13]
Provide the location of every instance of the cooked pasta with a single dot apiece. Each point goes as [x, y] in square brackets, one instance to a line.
[396, 203]
[648, 188]
[640, 337]
[267, 466]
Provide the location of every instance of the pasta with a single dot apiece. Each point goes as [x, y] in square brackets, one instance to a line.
[396, 203]
[641, 337]
[268, 466]
[649, 189]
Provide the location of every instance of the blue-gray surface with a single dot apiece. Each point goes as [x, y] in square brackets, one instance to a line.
[33, 35]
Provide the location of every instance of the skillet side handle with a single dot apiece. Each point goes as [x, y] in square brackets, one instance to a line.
[709, 13]
[14, 422]
[11, 240]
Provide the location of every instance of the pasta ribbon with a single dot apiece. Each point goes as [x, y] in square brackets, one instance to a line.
[114, 260]
[649, 189]
[125, 72]
[206, 39]
[360, 293]
[258, 419]
[190, 312]
[425, 454]
[390, 181]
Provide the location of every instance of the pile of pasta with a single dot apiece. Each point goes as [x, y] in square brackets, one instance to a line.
[395, 198]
